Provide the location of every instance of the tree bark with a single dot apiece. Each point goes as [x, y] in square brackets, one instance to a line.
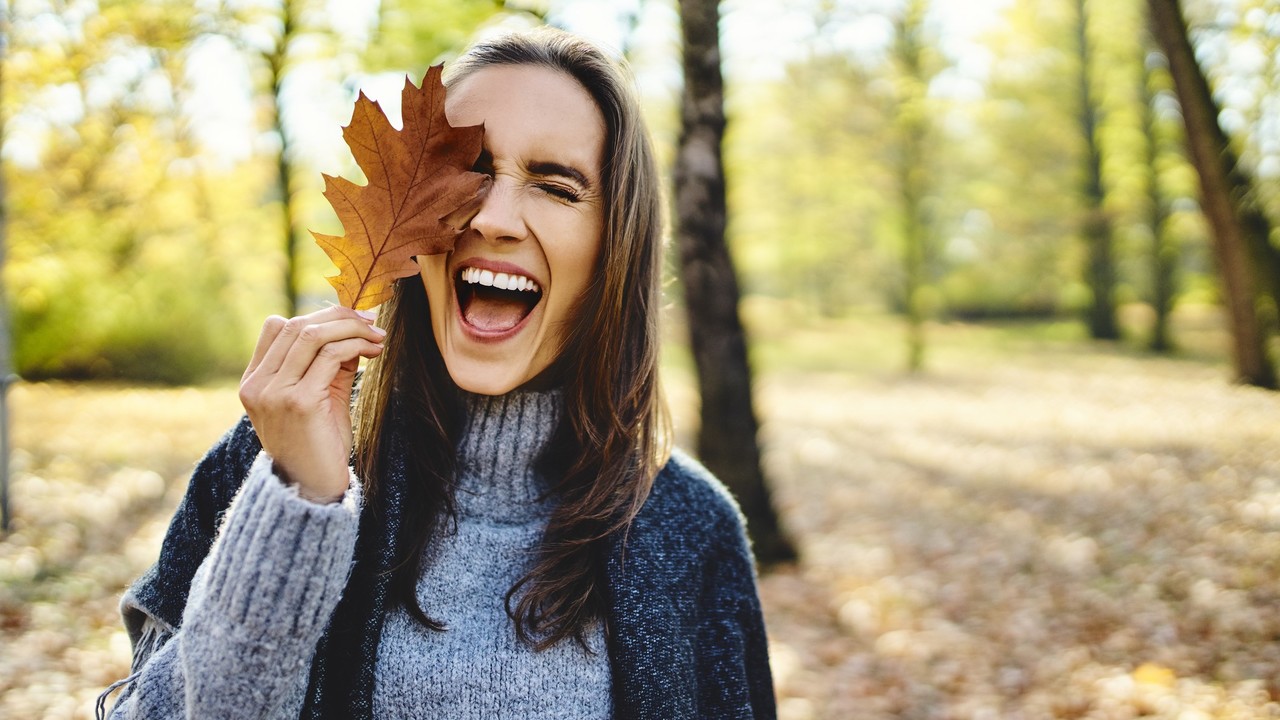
[1240, 231]
[912, 122]
[727, 438]
[6, 346]
[1100, 271]
[277, 61]
[1164, 256]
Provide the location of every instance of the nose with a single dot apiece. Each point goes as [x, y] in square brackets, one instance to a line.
[499, 216]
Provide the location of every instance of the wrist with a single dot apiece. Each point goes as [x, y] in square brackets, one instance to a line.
[306, 491]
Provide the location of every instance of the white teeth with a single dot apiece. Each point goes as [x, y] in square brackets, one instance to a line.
[504, 281]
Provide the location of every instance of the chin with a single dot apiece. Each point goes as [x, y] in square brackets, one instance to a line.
[487, 368]
[483, 378]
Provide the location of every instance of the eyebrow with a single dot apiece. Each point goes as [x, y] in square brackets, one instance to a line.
[545, 167]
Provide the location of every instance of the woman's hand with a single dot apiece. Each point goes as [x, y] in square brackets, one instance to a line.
[297, 391]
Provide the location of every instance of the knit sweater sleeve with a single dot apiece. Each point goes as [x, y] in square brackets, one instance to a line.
[258, 605]
[735, 680]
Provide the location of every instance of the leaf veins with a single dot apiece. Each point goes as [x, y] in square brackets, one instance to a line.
[419, 177]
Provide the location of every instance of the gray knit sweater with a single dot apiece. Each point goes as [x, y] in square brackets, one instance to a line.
[262, 599]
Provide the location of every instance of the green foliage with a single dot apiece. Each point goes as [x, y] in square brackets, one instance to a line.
[125, 292]
[414, 35]
[133, 251]
[813, 159]
[807, 183]
[105, 271]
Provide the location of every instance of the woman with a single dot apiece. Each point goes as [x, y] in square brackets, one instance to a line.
[512, 537]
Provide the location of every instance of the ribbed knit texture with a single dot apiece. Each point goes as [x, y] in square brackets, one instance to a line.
[258, 605]
[477, 668]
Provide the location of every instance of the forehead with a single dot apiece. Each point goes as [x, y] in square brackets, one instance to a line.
[531, 112]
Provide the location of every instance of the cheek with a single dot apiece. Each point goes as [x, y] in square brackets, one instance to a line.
[434, 278]
[576, 261]
[432, 270]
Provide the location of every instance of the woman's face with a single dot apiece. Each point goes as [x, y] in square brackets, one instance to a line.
[502, 300]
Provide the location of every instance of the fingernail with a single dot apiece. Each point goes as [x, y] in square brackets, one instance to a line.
[367, 314]
[378, 330]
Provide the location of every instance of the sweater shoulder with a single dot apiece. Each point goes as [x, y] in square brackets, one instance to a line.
[688, 496]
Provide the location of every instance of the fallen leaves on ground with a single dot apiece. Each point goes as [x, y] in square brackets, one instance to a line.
[97, 471]
[1062, 537]
[1059, 535]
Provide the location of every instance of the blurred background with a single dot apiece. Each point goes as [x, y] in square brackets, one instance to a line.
[1006, 269]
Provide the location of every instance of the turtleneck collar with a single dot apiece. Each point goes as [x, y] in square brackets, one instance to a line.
[502, 440]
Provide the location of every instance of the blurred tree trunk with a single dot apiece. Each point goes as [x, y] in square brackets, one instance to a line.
[727, 438]
[1100, 271]
[912, 122]
[1164, 255]
[6, 368]
[1241, 233]
[277, 60]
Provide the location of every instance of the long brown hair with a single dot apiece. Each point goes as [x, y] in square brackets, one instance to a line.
[615, 433]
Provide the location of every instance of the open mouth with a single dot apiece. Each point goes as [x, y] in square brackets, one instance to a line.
[495, 302]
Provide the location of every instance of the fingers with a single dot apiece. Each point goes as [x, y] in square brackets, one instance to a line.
[278, 336]
[296, 392]
[270, 329]
[345, 338]
[331, 359]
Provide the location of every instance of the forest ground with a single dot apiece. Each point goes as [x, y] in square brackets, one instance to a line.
[1036, 527]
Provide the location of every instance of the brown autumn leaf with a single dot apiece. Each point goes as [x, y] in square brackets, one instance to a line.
[420, 181]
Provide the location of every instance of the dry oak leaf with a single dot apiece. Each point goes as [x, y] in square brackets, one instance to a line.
[420, 179]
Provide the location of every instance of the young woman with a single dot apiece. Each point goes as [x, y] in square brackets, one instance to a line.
[511, 536]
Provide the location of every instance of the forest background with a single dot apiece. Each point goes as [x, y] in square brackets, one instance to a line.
[1061, 524]
[150, 148]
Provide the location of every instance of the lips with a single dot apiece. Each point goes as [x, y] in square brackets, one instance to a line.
[494, 300]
